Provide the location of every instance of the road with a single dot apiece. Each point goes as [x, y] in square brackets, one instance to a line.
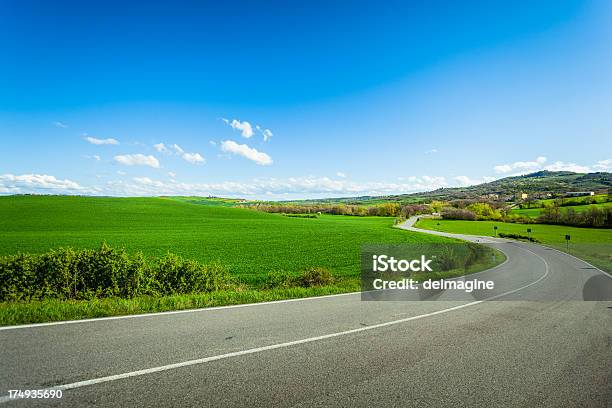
[339, 350]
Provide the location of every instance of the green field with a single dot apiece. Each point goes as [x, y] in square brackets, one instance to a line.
[535, 212]
[592, 244]
[249, 243]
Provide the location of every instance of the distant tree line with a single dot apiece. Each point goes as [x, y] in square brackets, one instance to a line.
[596, 217]
[380, 210]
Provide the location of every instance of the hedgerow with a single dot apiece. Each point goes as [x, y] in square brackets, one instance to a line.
[66, 273]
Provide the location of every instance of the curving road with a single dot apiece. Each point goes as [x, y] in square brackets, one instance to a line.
[341, 351]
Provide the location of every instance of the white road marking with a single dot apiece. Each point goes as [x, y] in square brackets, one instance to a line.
[152, 370]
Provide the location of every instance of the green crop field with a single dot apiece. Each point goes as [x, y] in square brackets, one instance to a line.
[249, 243]
[592, 244]
[535, 212]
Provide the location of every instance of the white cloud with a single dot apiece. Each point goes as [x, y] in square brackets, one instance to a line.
[137, 160]
[561, 166]
[603, 165]
[37, 183]
[161, 148]
[296, 187]
[193, 158]
[244, 127]
[95, 141]
[212, 142]
[503, 168]
[526, 166]
[267, 134]
[121, 173]
[172, 174]
[96, 157]
[60, 124]
[520, 168]
[431, 151]
[229, 146]
[341, 174]
[465, 181]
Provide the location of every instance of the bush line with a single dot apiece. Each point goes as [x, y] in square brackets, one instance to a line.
[106, 272]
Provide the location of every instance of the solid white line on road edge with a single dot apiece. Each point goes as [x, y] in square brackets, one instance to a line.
[171, 312]
[146, 371]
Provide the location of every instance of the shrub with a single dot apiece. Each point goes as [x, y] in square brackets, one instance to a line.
[174, 275]
[316, 276]
[66, 273]
[277, 279]
[517, 236]
[450, 213]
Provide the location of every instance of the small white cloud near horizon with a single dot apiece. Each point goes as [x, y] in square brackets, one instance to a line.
[96, 141]
[60, 124]
[261, 158]
[341, 174]
[172, 174]
[527, 166]
[28, 183]
[431, 151]
[603, 165]
[137, 160]
[465, 181]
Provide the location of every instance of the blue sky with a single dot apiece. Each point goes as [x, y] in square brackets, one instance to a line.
[291, 100]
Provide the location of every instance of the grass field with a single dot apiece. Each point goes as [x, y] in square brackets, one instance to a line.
[535, 212]
[592, 244]
[249, 243]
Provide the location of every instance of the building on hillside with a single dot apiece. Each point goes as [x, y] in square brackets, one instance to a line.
[521, 196]
[579, 193]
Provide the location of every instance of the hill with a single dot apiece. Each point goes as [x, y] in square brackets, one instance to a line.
[536, 184]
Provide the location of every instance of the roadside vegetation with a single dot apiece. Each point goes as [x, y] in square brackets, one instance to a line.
[594, 245]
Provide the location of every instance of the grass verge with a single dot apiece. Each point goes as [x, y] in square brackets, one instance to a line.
[12, 313]
[593, 245]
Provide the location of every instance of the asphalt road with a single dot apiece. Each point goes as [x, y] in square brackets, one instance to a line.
[341, 351]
